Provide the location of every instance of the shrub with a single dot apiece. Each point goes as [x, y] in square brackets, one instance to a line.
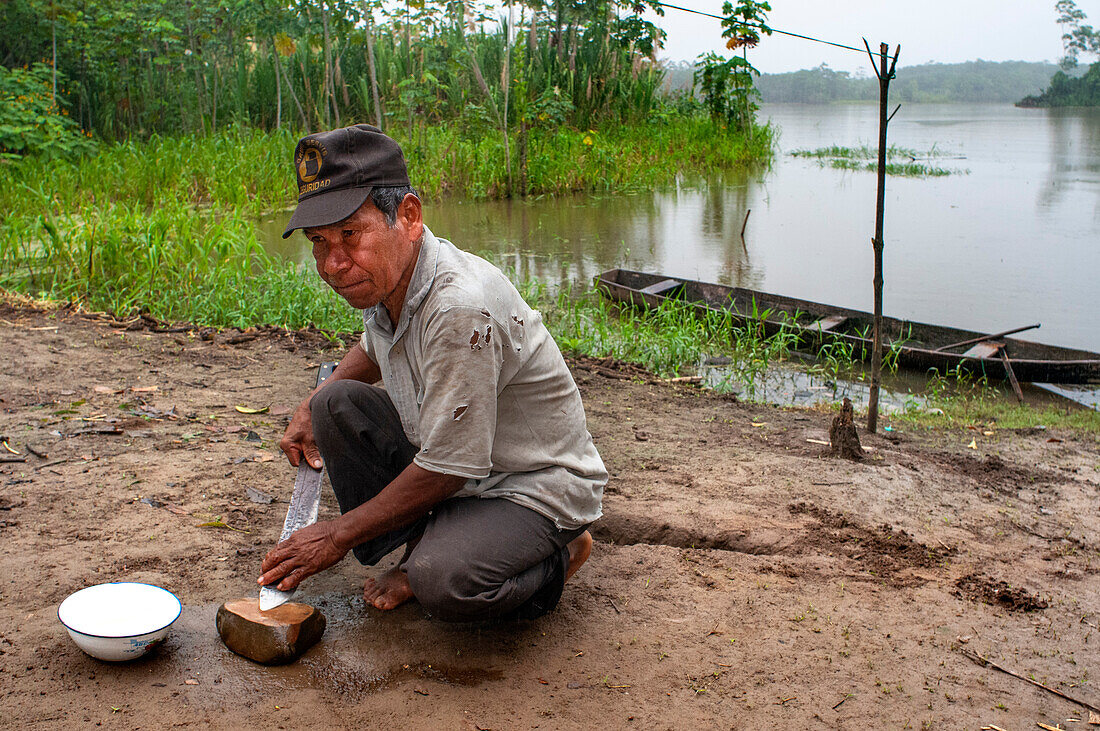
[33, 123]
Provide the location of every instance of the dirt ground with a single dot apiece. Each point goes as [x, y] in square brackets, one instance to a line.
[740, 578]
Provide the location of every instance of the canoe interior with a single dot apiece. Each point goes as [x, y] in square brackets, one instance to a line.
[918, 341]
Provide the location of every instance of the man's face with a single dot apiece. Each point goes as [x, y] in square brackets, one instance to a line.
[363, 259]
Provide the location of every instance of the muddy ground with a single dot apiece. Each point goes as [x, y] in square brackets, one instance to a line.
[740, 579]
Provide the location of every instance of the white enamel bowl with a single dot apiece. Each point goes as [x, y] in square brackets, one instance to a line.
[119, 621]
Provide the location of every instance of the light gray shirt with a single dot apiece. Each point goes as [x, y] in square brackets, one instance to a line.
[482, 389]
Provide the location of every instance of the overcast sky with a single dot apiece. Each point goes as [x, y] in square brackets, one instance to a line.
[944, 31]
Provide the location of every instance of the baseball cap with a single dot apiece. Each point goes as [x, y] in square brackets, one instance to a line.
[337, 171]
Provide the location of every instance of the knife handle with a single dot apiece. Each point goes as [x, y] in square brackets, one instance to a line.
[324, 372]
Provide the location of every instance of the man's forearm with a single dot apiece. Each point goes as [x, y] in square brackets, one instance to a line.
[410, 496]
[358, 366]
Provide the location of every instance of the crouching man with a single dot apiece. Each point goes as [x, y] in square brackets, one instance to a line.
[474, 453]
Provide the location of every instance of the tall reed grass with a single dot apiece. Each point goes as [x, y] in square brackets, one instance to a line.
[168, 226]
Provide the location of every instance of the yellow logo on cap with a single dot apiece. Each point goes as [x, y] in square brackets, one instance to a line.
[309, 167]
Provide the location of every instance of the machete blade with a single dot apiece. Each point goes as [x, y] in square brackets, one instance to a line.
[304, 502]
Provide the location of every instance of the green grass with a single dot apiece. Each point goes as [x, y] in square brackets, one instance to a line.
[897, 169]
[859, 153]
[966, 400]
[168, 226]
[249, 172]
[999, 414]
[674, 338]
[900, 161]
[669, 340]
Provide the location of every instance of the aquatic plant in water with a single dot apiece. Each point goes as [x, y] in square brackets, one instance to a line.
[900, 161]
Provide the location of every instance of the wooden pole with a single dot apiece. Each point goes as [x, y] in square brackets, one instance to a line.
[743, 225]
[884, 73]
[1011, 374]
[992, 336]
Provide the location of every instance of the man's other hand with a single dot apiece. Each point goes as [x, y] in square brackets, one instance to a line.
[307, 551]
[298, 441]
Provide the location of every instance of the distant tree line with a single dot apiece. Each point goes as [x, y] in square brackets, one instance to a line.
[1067, 91]
[972, 81]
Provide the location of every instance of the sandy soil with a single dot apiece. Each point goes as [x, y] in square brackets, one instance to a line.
[740, 579]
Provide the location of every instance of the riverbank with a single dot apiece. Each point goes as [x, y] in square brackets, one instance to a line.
[168, 226]
[737, 572]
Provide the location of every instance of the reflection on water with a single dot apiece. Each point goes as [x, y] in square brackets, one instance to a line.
[565, 240]
[1085, 395]
[1013, 241]
[788, 385]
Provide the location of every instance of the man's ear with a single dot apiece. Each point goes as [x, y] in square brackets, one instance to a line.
[411, 215]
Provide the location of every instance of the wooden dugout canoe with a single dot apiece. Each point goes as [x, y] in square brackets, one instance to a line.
[919, 346]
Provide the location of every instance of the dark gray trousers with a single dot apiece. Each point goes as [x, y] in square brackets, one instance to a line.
[477, 559]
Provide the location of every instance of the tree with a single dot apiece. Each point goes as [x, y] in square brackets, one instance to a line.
[1077, 36]
[727, 84]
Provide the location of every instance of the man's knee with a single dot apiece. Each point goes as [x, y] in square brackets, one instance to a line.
[327, 404]
[445, 588]
[341, 405]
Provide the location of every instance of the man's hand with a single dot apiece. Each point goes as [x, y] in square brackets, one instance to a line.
[297, 441]
[307, 551]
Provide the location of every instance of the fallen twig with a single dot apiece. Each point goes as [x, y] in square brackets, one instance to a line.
[612, 603]
[684, 379]
[95, 430]
[44, 465]
[12, 458]
[839, 704]
[984, 661]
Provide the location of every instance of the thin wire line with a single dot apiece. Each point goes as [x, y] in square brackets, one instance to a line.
[773, 30]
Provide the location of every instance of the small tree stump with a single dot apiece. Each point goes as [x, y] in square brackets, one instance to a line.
[275, 637]
[843, 435]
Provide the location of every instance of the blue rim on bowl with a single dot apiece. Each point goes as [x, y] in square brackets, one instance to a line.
[144, 631]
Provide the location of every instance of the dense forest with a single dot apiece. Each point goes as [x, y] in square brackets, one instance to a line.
[119, 67]
[1068, 91]
[973, 81]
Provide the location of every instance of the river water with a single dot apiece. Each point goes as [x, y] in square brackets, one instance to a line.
[1012, 238]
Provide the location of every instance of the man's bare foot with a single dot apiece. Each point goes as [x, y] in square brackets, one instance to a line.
[388, 591]
[580, 548]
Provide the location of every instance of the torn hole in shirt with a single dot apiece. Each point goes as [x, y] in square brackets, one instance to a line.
[459, 411]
